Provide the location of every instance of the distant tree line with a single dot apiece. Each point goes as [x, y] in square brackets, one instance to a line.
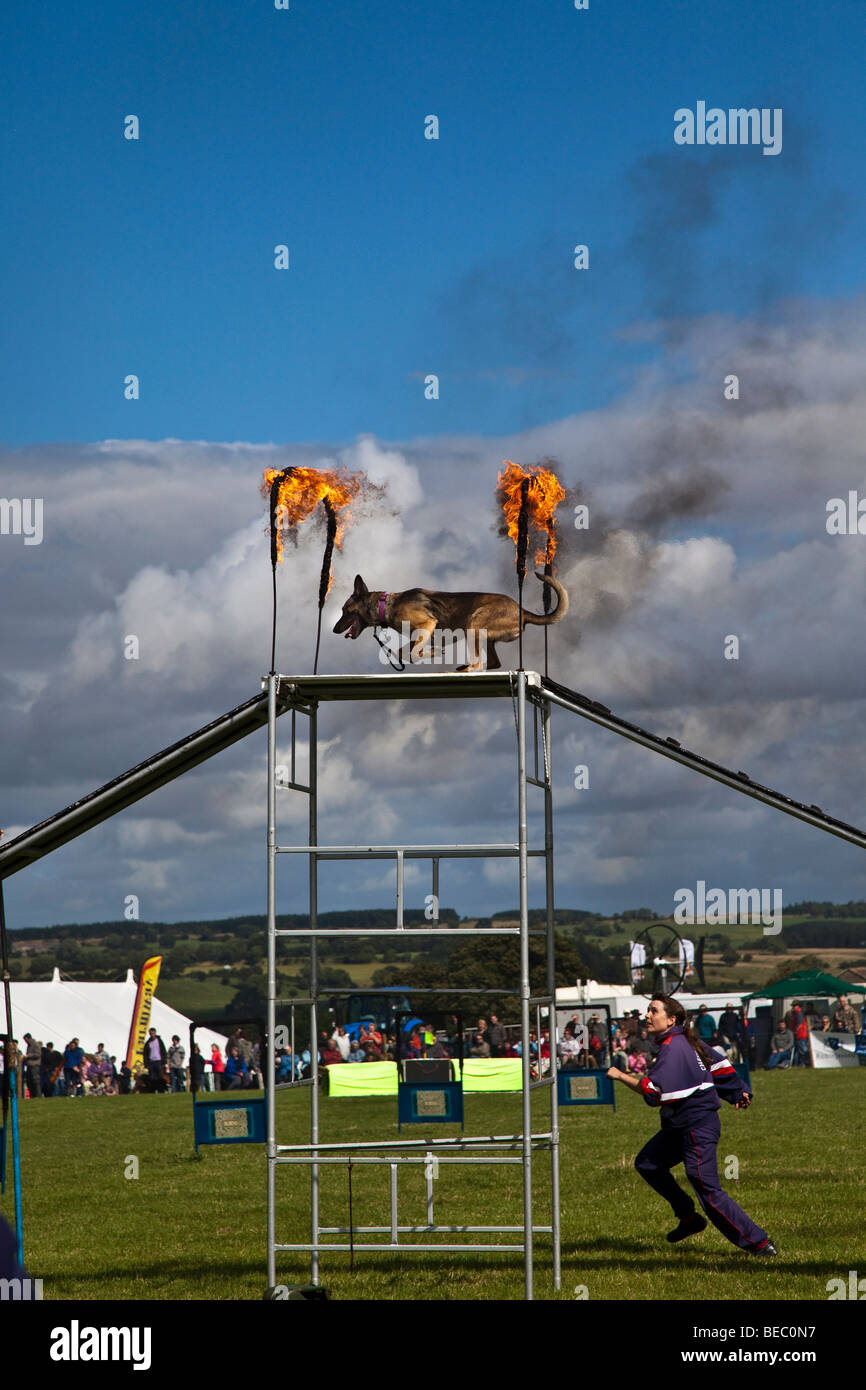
[810, 909]
[831, 935]
[197, 949]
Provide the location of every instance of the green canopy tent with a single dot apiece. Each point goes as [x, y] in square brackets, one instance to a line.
[810, 983]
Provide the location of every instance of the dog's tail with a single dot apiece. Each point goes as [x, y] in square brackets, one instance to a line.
[559, 612]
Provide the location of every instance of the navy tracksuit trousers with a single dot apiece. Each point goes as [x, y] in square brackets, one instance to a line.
[695, 1148]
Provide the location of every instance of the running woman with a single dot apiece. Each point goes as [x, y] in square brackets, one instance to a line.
[685, 1081]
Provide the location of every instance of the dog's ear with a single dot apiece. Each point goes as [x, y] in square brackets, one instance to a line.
[360, 587]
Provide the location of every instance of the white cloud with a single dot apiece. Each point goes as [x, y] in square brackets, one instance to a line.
[707, 518]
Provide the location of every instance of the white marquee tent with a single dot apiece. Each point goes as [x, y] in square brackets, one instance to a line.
[57, 1010]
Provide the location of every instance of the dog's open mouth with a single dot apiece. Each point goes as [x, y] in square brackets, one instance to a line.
[356, 629]
[349, 627]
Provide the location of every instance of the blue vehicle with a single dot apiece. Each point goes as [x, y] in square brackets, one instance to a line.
[380, 1006]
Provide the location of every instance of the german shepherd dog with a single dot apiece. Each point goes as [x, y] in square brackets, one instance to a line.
[492, 617]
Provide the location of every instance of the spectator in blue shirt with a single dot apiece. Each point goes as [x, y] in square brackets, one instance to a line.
[285, 1066]
[705, 1025]
[73, 1059]
[236, 1071]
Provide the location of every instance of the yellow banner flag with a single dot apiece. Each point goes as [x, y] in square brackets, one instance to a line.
[141, 1013]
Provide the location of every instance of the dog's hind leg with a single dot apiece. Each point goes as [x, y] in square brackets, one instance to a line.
[476, 650]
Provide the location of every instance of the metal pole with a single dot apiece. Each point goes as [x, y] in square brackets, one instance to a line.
[428, 1173]
[270, 1092]
[16, 1170]
[399, 890]
[551, 989]
[314, 994]
[351, 1227]
[394, 1232]
[435, 890]
[524, 981]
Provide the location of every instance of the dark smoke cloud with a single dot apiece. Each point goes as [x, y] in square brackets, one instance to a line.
[676, 198]
[679, 197]
[512, 308]
[672, 496]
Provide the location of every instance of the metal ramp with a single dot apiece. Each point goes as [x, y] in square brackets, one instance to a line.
[172, 762]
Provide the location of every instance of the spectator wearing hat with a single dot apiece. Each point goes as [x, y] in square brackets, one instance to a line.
[631, 1024]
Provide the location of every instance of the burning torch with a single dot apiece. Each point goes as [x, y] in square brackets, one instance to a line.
[294, 494]
[529, 498]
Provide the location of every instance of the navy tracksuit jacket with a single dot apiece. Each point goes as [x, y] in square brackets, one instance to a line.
[687, 1091]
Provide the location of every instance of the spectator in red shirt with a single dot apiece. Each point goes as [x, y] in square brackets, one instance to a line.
[794, 1017]
[218, 1066]
[801, 1043]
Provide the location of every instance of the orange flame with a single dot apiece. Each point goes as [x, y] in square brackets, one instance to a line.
[544, 496]
[301, 492]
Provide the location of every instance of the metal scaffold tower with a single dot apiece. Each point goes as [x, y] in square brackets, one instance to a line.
[301, 697]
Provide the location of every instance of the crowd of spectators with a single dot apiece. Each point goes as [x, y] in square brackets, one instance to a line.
[489, 1038]
[790, 1042]
[632, 1050]
[44, 1072]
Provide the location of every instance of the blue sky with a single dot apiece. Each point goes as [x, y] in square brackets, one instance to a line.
[408, 256]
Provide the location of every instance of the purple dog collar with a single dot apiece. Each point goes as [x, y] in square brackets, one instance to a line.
[382, 600]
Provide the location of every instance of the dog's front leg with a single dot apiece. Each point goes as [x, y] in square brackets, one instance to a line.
[421, 642]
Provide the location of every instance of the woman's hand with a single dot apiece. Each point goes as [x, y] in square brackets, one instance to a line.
[744, 1102]
[614, 1073]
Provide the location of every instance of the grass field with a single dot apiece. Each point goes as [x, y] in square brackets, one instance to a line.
[190, 1228]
